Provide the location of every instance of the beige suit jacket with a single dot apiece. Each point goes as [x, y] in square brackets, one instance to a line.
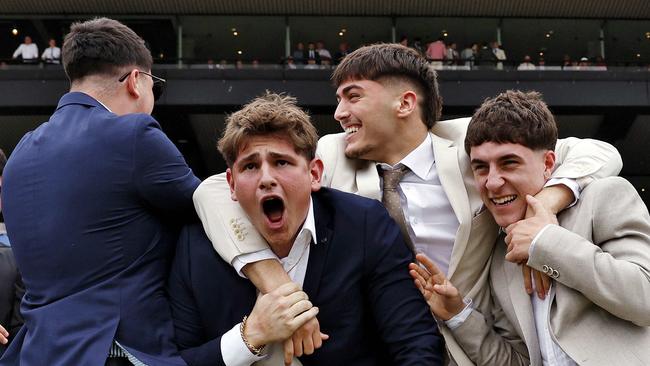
[600, 315]
[468, 268]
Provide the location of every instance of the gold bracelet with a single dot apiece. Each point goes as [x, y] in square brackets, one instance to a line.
[257, 351]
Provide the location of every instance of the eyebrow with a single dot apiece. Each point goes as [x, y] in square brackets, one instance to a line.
[348, 88]
[247, 158]
[501, 158]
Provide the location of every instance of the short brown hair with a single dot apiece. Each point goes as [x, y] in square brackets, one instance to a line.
[390, 60]
[102, 46]
[265, 115]
[513, 117]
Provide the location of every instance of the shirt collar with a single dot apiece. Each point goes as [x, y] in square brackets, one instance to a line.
[421, 159]
[310, 222]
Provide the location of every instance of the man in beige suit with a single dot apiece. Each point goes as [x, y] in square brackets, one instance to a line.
[597, 253]
[388, 106]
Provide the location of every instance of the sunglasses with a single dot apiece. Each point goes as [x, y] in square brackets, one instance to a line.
[158, 86]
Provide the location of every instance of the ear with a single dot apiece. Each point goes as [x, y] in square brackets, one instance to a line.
[231, 183]
[316, 171]
[549, 163]
[407, 103]
[132, 84]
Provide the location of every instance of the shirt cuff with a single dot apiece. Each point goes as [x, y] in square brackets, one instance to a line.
[458, 319]
[572, 184]
[234, 351]
[243, 259]
[532, 244]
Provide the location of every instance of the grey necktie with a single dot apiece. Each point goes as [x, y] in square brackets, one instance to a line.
[391, 200]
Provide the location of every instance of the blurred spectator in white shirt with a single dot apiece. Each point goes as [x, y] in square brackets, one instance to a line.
[527, 64]
[27, 50]
[52, 54]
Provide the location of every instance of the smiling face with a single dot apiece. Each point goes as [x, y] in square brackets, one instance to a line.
[366, 111]
[505, 173]
[273, 184]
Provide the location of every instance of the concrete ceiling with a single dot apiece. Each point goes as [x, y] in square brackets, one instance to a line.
[604, 9]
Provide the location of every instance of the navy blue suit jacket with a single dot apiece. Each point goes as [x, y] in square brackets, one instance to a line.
[88, 199]
[357, 274]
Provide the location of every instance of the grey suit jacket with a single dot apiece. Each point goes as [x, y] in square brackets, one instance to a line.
[600, 258]
[468, 268]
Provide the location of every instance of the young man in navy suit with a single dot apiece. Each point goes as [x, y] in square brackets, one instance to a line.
[90, 200]
[344, 250]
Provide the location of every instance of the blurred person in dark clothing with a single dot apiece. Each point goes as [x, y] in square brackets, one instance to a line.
[11, 285]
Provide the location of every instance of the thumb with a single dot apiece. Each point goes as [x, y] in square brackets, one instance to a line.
[534, 204]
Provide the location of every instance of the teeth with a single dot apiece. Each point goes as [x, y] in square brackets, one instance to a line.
[503, 200]
[351, 129]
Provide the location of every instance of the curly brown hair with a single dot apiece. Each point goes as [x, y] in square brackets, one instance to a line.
[265, 115]
[516, 117]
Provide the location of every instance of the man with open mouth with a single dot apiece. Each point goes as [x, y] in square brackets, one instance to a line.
[343, 250]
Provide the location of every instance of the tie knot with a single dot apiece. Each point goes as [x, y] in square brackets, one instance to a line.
[393, 176]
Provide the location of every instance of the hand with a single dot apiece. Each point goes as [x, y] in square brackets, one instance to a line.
[443, 298]
[304, 341]
[4, 335]
[277, 315]
[521, 233]
[542, 281]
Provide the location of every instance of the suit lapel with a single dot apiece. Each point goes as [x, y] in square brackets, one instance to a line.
[520, 301]
[451, 178]
[318, 251]
[367, 179]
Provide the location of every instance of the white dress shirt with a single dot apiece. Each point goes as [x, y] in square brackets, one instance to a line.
[28, 51]
[52, 55]
[431, 221]
[233, 349]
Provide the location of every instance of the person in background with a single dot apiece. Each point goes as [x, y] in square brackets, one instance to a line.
[52, 54]
[27, 50]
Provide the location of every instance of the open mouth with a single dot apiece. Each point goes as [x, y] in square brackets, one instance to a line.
[273, 208]
[502, 201]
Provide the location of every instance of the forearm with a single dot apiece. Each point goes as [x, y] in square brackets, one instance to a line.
[266, 275]
[224, 221]
[556, 198]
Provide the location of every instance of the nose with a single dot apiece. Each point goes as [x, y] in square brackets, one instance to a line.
[341, 113]
[267, 178]
[493, 180]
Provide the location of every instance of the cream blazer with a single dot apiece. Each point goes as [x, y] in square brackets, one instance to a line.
[600, 313]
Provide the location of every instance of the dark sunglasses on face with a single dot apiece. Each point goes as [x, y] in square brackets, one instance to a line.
[158, 86]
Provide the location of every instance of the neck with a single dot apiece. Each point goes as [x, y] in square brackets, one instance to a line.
[93, 86]
[409, 139]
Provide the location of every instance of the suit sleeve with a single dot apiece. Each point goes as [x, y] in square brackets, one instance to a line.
[224, 221]
[16, 321]
[160, 172]
[189, 332]
[496, 344]
[586, 160]
[613, 271]
[403, 319]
